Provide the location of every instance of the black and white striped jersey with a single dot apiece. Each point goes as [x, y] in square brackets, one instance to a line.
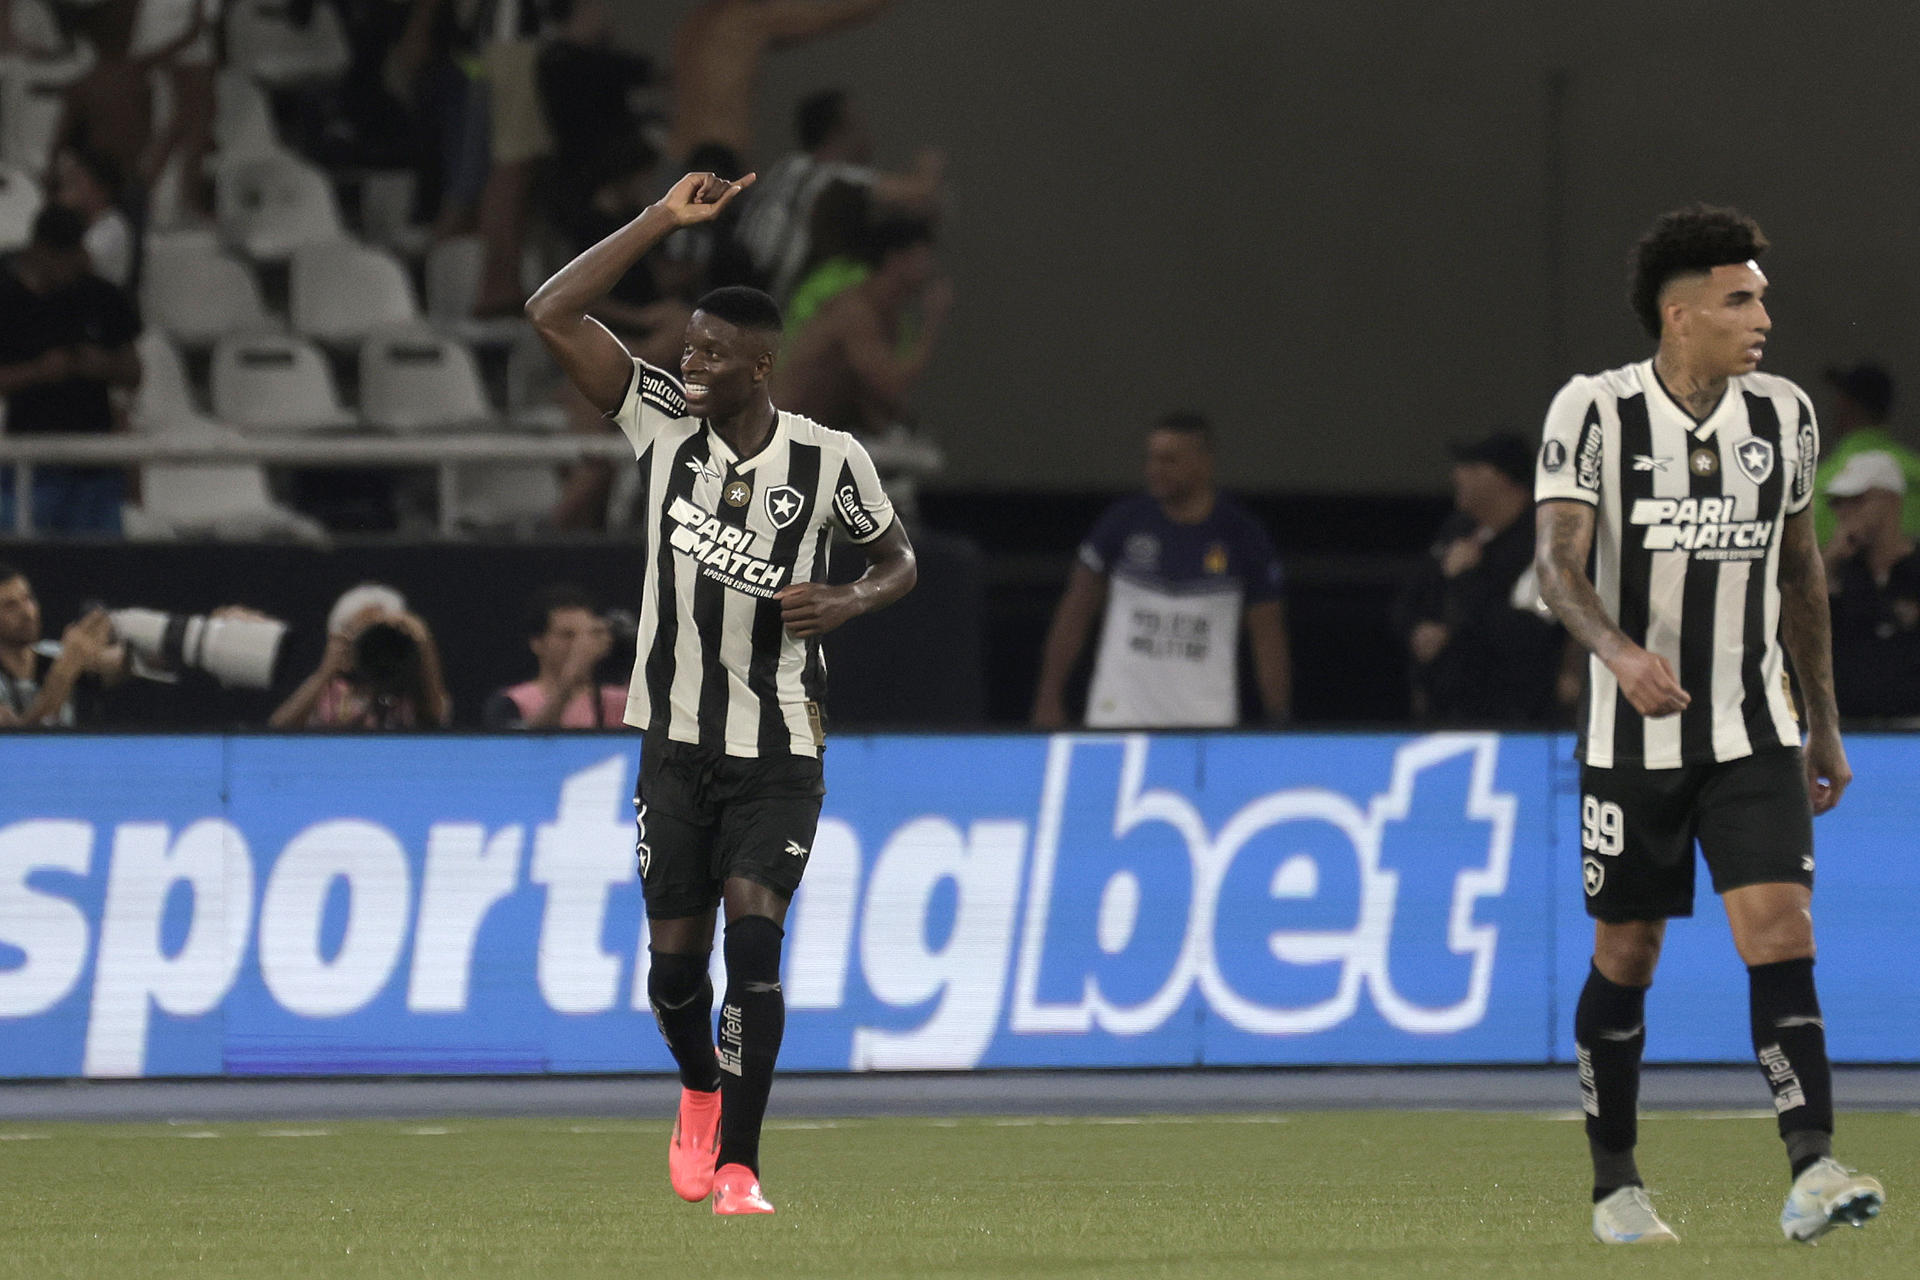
[1686, 552]
[722, 534]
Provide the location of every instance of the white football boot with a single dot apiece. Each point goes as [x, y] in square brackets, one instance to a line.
[1627, 1217]
[1826, 1195]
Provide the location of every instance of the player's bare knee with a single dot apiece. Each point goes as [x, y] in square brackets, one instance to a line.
[1628, 953]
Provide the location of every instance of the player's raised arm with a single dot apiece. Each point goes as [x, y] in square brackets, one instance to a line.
[1563, 535]
[591, 356]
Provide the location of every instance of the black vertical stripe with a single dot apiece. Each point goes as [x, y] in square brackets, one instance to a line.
[1761, 730]
[769, 636]
[1636, 566]
[1697, 596]
[710, 621]
[660, 664]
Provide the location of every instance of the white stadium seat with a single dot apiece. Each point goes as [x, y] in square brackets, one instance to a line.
[263, 42]
[32, 96]
[20, 202]
[228, 500]
[271, 383]
[453, 283]
[243, 125]
[196, 293]
[416, 380]
[271, 205]
[342, 291]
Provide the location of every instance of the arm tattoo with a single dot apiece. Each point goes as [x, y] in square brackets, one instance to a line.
[1564, 532]
[1805, 625]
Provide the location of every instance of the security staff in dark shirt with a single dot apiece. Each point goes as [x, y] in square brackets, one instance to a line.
[1482, 648]
[1873, 577]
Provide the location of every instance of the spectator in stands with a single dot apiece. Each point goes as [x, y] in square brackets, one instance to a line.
[854, 365]
[717, 55]
[776, 221]
[1873, 576]
[177, 38]
[520, 140]
[109, 111]
[66, 340]
[1176, 572]
[1857, 423]
[569, 640]
[44, 684]
[89, 184]
[592, 95]
[1483, 650]
[381, 670]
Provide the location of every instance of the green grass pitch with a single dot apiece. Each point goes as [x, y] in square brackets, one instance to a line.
[1335, 1194]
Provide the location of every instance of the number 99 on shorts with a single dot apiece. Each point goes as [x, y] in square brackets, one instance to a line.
[1603, 828]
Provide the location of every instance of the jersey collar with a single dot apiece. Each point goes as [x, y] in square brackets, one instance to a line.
[1698, 428]
[722, 452]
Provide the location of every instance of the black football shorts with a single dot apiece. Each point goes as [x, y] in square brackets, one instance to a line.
[1751, 816]
[705, 817]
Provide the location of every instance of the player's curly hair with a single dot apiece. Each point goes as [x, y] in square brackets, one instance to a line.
[1688, 241]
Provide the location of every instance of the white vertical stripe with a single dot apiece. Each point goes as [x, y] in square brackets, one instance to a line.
[1667, 578]
[1730, 740]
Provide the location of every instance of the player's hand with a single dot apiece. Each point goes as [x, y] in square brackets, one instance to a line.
[1827, 770]
[1649, 683]
[699, 197]
[810, 609]
[84, 643]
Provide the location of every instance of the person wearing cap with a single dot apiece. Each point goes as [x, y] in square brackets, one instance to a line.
[1873, 579]
[1482, 649]
[1856, 424]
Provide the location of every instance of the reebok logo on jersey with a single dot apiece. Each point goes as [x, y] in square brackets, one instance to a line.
[797, 849]
[720, 550]
[704, 469]
[1641, 462]
[854, 513]
[1704, 526]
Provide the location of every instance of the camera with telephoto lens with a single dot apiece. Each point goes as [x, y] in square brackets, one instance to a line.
[238, 652]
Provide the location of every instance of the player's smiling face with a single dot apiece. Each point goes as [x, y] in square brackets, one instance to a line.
[1720, 318]
[722, 366]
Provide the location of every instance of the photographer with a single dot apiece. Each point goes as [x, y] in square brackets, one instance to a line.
[52, 685]
[381, 670]
[569, 640]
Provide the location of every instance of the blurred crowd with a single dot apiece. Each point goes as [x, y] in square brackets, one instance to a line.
[231, 219]
[255, 196]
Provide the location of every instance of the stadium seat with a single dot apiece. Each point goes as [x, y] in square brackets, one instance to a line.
[271, 205]
[263, 41]
[342, 291]
[32, 96]
[453, 282]
[36, 29]
[243, 124]
[227, 500]
[416, 380]
[196, 293]
[271, 383]
[20, 202]
[504, 495]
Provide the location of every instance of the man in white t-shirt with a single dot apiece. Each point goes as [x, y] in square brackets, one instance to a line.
[1174, 571]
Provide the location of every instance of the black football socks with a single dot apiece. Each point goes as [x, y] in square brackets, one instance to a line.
[1609, 1033]
[682, 998]
[752, 1021]
[1790, 1041]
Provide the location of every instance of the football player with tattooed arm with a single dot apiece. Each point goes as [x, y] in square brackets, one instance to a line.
[739, 503]
[1685, 481]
